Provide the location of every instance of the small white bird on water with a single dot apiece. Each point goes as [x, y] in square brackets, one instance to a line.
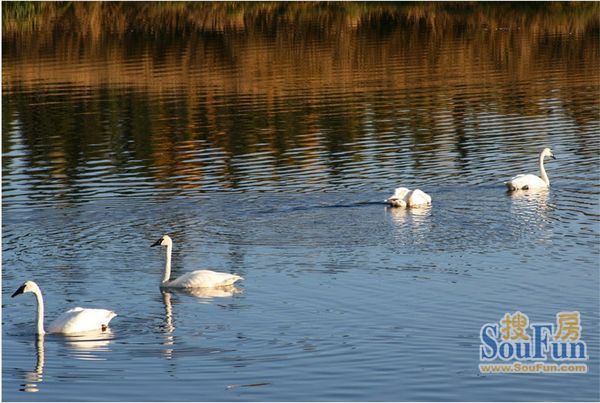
[75, 320]
[529, 181]
[404, 197]
[195, 279]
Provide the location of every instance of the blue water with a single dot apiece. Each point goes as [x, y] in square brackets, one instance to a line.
[343, 298]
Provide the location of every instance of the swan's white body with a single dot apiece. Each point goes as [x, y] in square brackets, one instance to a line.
[398, 199]
[404, 197]
[418, 198]
[203, 279]
[529, 181]
[195, 279]
[79, 320]
[526, 181]
[75, 320]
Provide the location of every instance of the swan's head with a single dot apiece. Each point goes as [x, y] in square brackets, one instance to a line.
[165, 240]
[546, 152]
[394, 202]
[28, 286]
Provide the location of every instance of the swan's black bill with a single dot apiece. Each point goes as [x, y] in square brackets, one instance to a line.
[19, 291]
[157, 243]
[553, 157]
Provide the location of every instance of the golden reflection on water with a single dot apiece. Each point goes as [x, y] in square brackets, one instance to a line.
[294, 63]
[388, 47]
[184, 89]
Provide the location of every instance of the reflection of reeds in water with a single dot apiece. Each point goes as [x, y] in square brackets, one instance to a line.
[97, 17]
[241, 78]
[303, 43]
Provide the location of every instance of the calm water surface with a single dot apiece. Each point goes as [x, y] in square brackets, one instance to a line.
[270, 157]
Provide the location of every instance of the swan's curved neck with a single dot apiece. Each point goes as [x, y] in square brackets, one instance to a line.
[167, 272]
[543, 174]
[40, 312]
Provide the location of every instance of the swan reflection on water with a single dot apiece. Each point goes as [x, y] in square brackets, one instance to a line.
[531, 210]
[86, 346]
[82, 346]
[35, 377]
[168, 327]
[201, 293]
[531, 194]
[415, 216]
[530, 202]
[217, 292]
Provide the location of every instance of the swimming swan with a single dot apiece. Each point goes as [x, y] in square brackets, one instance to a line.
[398, 198]
[529, 181]
[195, 279]
[418, 198]
[404, 197]
[75, 320]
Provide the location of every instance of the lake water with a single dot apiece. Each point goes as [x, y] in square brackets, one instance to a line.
[267, 150]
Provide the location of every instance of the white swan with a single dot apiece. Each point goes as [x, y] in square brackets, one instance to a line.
[404, 197]
[529, 181]
[195, 279]
[418, 198]
[398, 199]
[75, 320]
